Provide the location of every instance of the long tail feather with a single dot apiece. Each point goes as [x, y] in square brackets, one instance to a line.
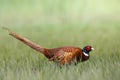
[25, 40]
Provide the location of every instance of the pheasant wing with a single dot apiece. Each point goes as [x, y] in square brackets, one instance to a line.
[66, 57]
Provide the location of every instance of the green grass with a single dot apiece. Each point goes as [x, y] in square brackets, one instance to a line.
[19, 62]
[40, 12]
[59, 23]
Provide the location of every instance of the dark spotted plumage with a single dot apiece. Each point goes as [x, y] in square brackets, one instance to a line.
[62, 55]
[67, 55]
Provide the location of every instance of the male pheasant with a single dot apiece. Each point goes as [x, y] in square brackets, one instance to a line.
[61, 55]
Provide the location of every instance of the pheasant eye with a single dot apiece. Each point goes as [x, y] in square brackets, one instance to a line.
[88, 48]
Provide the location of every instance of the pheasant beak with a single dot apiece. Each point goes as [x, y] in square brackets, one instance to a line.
[92, 49]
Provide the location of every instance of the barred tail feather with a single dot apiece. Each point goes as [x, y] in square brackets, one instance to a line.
[25, 41]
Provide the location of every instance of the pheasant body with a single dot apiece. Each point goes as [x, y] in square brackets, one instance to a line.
[65, 55]
[62, 55]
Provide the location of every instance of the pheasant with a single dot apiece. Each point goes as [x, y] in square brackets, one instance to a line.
[61, 55]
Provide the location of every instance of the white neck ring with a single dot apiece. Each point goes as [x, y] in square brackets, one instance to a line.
[85, 54]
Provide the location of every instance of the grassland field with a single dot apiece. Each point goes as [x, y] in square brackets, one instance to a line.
[55, 25]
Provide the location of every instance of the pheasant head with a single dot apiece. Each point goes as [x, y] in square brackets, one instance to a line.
[87, 49]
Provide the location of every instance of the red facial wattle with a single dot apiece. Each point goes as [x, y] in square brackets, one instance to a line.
[88, 48]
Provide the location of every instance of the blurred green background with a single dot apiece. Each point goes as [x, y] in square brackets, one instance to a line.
[42, 12]
[56, 23]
